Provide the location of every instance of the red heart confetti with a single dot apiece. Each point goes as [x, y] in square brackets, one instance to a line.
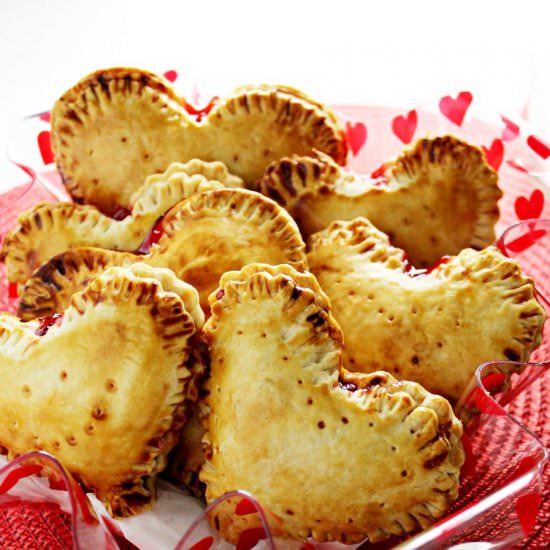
[517, 165]
[245, 506]
[45, 146]
[478, 399]
[356, 135]
[404, 127]
[495, 153]
[511, 130]
[13, 291]
[527, 507]
[46, 117]
[203, 544]
[541, 149]
[249, 538]
[455, 109]
[529, 208]
[525, 241]
[171, 75]
[494, 381]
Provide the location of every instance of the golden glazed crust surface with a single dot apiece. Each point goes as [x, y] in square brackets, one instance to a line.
[330, 454]
[438, 197]
[435, 329]
[203, 237]
[49, 229]
[116, 369]
[119, 125]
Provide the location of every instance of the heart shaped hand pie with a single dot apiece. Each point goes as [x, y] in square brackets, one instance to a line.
[117, 126]
[49, 229]
[203, 237]
[108, 389]
[438, 197]
[331, 455]
[435, 328]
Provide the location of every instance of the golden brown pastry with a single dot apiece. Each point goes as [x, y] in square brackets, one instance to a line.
[203, 237]
[51, 228]
[107, 388]
[330, 454]
[435, 328]
[116, 126]
[438, 197]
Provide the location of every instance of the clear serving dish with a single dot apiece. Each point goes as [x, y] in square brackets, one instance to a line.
[502, 486]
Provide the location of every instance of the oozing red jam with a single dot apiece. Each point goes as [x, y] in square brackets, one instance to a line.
[378, 176]
[47, 322]
[412, 271]
[121, 213]
[153, 237]
[199, 113]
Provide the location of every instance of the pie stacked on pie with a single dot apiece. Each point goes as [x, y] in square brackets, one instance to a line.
[323, 379]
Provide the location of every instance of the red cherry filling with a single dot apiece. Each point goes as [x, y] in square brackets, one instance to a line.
[378, 176]
[47, 322]
[121, 213]
[199, 113]
[153, 237]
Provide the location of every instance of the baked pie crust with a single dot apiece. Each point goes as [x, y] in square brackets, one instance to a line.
[117, 126]
[435, 328]
[438, 197]
[51, 228]
[117, 369]
[203, 237]
[329, 454]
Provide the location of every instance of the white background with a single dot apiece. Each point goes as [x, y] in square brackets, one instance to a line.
[387, 52]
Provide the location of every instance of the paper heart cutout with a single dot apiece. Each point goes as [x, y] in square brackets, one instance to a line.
[249, 538]
[530, 208]
[356, 134]
[45, 147]
[426, 203]
[272, 327]
[149, 128]
[455, 109]
[524, 242]
[371, 293]
[203, 237]
[115, 442]
[51, 228]
[203, 544]
[511, 130]
[404, 127]
[171, 75]
[495, 153]
[541, 148]
[527, 507]
[518, 165]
